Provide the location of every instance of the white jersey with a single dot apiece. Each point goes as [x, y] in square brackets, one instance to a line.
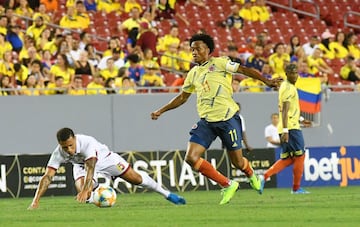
[272, 131]
[88, 147]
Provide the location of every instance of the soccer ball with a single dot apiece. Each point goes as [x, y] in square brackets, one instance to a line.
[104, 196]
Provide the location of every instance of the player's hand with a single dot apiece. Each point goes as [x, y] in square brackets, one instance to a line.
[274, 82]
[33, 206]
[306, 123]
[155, 115]
[284, 138]
[83, 196]
[249, 148]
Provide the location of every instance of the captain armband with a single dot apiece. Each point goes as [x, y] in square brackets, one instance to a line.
[232, 66]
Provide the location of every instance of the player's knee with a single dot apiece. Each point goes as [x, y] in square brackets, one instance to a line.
[191, 159]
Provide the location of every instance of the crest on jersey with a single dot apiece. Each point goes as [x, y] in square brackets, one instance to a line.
[194, 126]
[212, 68]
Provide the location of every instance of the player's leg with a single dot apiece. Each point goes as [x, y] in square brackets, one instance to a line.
[297, 140]
[201, 137]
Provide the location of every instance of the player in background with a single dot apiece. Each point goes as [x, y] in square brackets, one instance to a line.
[211, 81]
[90, 157]
[291, 137]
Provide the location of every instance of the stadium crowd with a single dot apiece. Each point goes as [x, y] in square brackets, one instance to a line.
[88, 47]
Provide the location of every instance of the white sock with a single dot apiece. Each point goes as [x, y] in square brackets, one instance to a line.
[149, 183]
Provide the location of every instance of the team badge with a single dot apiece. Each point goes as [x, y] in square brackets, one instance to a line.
[194, 126]
[212, 68]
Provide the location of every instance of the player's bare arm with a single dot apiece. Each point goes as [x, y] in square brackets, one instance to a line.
[88, 182]
[285, 109]
[257, 75]
[42, 187]
[174, 103]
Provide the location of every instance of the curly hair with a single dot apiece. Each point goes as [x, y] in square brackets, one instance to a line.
[207, 39]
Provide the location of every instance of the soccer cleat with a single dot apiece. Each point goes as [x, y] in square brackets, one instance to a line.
[229, 192]
[262, 184]
[255, 182]
[176, 199]
[299, 191]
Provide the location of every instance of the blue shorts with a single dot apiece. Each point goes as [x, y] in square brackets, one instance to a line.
[295, 146]
[230, 133]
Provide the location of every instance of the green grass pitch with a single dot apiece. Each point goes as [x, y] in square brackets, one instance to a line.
[325, 206]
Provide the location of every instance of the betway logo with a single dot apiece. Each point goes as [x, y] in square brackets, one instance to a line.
[334, 168]
[3, 178]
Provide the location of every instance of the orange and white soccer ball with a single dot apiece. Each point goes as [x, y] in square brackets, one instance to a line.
[104, 196]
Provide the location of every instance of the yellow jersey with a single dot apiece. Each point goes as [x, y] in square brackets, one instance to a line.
[211, 81]
[288, 93]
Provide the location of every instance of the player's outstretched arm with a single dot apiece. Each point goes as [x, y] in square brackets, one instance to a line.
[42, 187]
[88, 183]
[174, 103]
[257, 75]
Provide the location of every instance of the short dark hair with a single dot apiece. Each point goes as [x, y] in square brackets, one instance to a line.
[291, 68]
[64, 134]
[207, 39]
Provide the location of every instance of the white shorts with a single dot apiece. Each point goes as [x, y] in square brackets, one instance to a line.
[112, 165]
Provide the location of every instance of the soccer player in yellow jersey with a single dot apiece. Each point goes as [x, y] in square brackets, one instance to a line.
[211, 81]
[291, 137]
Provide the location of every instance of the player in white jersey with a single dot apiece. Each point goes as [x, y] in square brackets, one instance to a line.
[90, 157]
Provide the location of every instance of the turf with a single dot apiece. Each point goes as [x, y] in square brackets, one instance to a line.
[325, 206]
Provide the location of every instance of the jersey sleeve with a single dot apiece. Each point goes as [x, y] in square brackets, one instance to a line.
[90, 149]
[231, 66]
[55, 159]
[188, 85]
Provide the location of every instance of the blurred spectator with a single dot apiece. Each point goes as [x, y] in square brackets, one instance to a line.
[45, 37]
[338, 46]
[42, 13]
[24, 9]
[32, 87]
[81, 15]
[30, 56]
[122, 72]
[185, 55]
[310, 46]
[149, 59]
[85, 39]
[317, 65]
[53, 45]
[278, 59]
[271, 132]
[46, 62]
[150, 78]
[165, 9]
[129, 4]
[110, 85]
[260, 11]
[36, 70]
[110, 71]
[90, 5]
[37, 28]
[252, 85]
[247, 50]
[77, 87]
[131, 27]
[147, 39]
[64, 49]
[127, 87]
[3, 24]
[233, 54]
[233, 20]
[244, 141]
[350, 71]
[14, 36]
[21, 72]
[5, 46]
[57, 87]
[303, 69]
[83, 66]
[114, 42]
[62, 68]
[135, 70]
[299, 55]
[51, 5]
[293, 45]
[119, 62]
[171, 38]
[93, 57]
[263, 39]
[256, 60]
[96, 86]
[352, 45]
[70, 20]
[7, 65]
[246, 13]
[326, 39]
[170, 58]
[5, 84]
[109, 6]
